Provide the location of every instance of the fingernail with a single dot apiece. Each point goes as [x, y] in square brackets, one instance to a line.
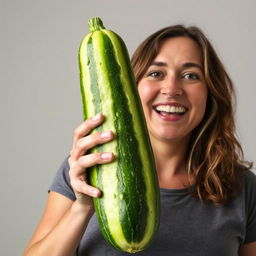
[105, 134]
[97, 117]
[95, 193]
[106, 155]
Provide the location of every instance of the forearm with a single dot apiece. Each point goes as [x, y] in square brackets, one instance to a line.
[64, 238]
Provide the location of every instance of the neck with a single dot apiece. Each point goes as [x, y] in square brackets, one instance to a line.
[170, 163]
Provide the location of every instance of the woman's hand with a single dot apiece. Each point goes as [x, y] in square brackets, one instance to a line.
[64, 221]
[79, 161]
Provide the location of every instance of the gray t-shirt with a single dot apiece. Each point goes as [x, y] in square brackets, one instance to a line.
[188, 226]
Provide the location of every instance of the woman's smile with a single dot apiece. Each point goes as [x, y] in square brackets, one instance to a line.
[170, 111]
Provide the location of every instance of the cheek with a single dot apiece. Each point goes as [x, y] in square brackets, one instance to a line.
[200, 100]
[145, 92]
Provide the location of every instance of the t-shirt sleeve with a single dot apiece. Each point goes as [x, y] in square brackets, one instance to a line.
[61, 182]
[250, 200]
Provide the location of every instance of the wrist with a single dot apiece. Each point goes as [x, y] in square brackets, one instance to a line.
[81, 209]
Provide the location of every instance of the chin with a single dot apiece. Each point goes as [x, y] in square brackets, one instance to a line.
[168, 135]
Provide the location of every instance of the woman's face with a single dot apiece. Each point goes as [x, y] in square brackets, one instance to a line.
[173, 91]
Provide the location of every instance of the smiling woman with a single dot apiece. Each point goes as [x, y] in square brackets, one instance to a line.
[208, 193]
[185, 65]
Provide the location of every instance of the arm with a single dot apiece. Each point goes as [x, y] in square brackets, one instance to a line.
[64, 221]
[248, 249]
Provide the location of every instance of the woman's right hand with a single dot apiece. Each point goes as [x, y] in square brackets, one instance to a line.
[62, 212]
[79, 161]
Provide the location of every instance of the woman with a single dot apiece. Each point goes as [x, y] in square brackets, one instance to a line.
[208, 194]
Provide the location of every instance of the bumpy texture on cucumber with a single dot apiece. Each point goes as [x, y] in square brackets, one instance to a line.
[128, 210]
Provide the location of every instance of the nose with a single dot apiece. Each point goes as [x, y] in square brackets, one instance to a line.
[171, 88]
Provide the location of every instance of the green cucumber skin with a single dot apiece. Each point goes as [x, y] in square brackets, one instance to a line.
[128, 211]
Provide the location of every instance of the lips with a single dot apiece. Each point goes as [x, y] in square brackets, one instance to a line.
[170, 108]
[170, 111]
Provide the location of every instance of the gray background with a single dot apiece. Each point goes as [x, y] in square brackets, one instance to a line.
[40, 97]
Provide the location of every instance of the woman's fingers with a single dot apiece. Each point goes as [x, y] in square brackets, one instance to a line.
[88, 125]
[79, 162]
[81, 186]
[88, 142]
[96, 158]
[78, 167]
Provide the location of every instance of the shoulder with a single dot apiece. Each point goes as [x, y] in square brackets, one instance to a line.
[61, 181]
[249, 183]
[249, 193]
[250, 175]
[249, 188]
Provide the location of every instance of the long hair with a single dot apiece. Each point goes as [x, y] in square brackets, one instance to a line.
[214, 156]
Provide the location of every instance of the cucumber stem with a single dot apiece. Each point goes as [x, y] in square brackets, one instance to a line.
[95, 24]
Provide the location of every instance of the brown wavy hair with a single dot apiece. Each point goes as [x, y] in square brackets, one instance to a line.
[215, 159]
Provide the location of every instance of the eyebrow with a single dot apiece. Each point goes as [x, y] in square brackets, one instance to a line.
[158, 63]
[185, 65]
[191, 65]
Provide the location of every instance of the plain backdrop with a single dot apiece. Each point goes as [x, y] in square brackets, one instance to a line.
[40, 95]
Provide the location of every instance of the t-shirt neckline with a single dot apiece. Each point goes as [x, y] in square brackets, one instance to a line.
[186, 190]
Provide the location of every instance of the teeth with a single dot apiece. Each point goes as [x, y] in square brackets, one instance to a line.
[170, 109]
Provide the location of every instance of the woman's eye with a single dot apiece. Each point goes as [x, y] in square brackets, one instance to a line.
[191, 76]
[155, 74]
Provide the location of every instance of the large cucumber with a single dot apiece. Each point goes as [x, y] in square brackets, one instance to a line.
[128, 210]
